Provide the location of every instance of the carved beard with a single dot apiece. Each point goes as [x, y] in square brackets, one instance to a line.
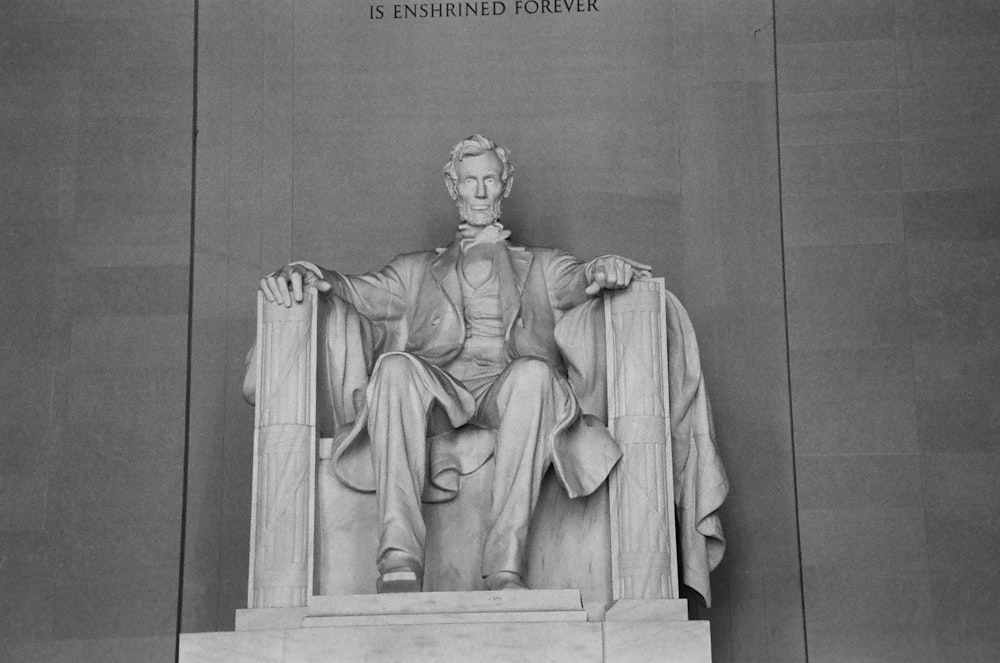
[479, 218]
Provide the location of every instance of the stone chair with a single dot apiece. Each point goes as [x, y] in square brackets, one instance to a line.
[313, 538]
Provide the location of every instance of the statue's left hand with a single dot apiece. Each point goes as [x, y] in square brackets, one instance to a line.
[614, 273]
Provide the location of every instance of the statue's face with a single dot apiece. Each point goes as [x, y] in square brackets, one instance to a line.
[479, 189]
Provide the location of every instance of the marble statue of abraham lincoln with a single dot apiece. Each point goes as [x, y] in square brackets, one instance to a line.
[466, 335]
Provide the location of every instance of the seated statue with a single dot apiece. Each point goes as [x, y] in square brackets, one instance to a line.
[464, 335]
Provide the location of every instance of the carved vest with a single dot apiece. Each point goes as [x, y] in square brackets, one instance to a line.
[483, 356]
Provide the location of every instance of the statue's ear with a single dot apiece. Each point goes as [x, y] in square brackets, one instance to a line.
[507, 185]
[452, 189]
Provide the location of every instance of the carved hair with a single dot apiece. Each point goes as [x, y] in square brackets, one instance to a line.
[473, 146]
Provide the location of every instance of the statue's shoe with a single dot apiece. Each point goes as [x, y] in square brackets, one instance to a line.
[400, 579]
[505, 580]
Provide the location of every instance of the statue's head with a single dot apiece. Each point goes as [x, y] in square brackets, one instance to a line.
[478, 176]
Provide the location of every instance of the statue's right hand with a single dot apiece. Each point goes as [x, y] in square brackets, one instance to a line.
[286, 285]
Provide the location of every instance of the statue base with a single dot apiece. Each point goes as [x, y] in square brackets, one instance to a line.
[536, 625]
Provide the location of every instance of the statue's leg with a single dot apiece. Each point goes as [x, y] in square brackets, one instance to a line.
[401, 391]
[524, 405]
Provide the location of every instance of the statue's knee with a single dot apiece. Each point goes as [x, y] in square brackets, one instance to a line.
[530, 372]
[394, 368]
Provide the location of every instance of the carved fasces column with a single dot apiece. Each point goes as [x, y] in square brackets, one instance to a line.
[643, 551]
[281, 529]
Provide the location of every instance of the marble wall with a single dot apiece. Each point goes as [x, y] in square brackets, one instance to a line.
[890, 153]
[95, 198]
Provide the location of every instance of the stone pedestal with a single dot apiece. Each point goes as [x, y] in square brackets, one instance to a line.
[536, 625]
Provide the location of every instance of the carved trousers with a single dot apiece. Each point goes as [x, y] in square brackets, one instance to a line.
[524, 405]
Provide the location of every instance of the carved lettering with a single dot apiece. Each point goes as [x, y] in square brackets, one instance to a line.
[555, 6]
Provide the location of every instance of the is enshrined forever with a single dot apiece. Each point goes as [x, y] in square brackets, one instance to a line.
[482, 8]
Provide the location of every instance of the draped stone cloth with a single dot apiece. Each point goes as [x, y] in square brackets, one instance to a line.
[413, 305]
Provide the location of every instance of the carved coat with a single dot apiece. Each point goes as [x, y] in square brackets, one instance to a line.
[414, 304]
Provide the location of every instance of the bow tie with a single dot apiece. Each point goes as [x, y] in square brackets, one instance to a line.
[491, 234]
